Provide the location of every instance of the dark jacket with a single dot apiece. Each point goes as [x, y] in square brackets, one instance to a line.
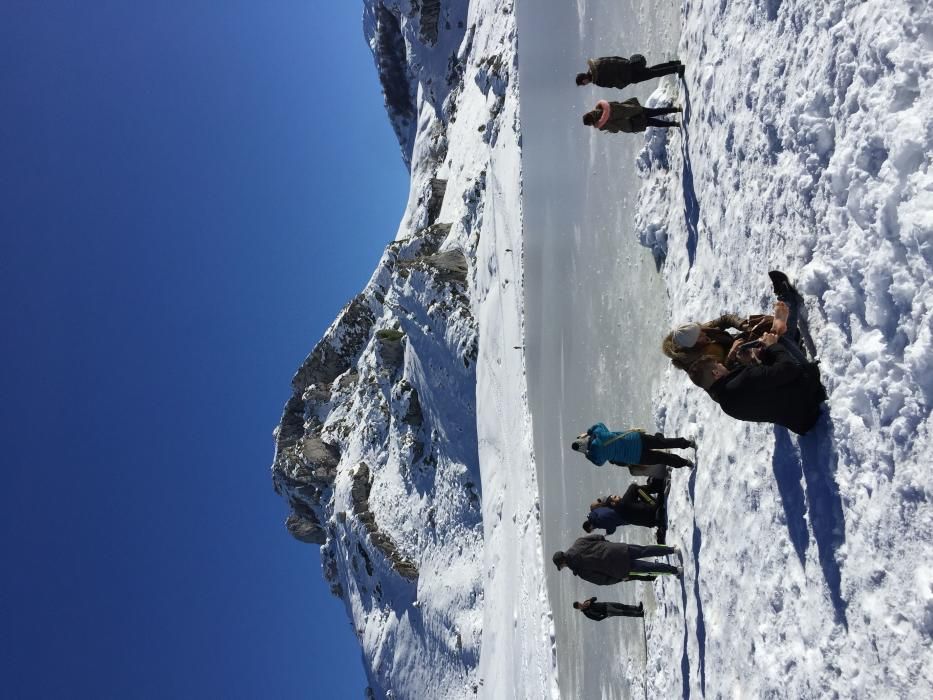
[606, 518]
[628, 117]
[617, 72]
[780, 390]
[599, 561]
[599, 611]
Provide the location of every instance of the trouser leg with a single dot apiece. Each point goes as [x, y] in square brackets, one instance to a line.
[793, 314]
[665, 458]
[640, 551]
[623, 610]
[794, 349]
[660, 123]
[652, 567]
[659, 71]
[660, 111]
[659, 442]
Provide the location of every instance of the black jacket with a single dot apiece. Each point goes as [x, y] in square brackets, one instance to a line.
[616, 71]
[595, 559]
[599, 611]
[779, 390]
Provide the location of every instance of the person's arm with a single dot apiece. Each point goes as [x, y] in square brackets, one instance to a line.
[598, 431]
[726, 321]
[777, 367]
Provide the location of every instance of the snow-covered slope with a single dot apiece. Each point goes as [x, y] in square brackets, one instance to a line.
[808, 148]
[405, 448]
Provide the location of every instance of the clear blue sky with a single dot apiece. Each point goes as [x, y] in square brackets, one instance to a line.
[190, 192]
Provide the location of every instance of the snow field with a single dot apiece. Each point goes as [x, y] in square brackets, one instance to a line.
[807, 149]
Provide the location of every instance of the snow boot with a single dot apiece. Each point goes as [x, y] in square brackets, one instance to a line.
[783, 289]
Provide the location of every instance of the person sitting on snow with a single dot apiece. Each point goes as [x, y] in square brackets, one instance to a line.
[636, 507]
[628, 116]
[631, 448]
[688, 343]
[782, 389]
[619, 72]
[593, 558]
[600, 611]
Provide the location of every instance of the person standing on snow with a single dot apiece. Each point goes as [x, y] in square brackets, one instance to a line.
[593, 558]
[600, 611]
[635, 507]
[630, 448]
[619, 72]
[628, 117]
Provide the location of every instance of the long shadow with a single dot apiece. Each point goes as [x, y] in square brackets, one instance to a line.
[701, 619]
[788, 473]
[684, 657]
[817, 463]
[827, 518]
[691, 203]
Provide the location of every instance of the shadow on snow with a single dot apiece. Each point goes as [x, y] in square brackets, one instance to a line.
[691, 203]
[814, 464]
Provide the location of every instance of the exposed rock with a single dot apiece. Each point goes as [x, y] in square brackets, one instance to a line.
[430, 16]
[359, 493]
[337, 350]
[449, 266]
[305, 530]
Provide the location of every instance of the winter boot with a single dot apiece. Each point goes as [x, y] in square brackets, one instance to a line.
[783, 289]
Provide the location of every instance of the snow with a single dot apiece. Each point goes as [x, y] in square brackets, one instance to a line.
[807, 144]
[807, 149]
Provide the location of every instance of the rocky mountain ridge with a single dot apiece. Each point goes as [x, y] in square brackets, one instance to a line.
[377, 451]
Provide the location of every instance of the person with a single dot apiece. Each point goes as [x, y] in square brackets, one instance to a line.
[593, 558]
[600, 611]
[689, 342]
[629, 116]
[635, 507]
[630, 448]
[781, 389]
[619, 72]
[777, 382]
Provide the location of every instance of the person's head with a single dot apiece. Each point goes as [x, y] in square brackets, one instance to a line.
[559, 560]
[705, 371]
[588, 526]
[687, 335]
[584, 78]
[589, 119]
[576, 605]
[580, 444]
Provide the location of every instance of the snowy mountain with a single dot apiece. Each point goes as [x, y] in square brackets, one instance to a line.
[406, 451]
[381, 453]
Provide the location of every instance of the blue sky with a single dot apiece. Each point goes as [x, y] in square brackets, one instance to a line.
[190, 192]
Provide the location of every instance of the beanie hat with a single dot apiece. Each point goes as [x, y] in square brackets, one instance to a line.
[687, 335]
